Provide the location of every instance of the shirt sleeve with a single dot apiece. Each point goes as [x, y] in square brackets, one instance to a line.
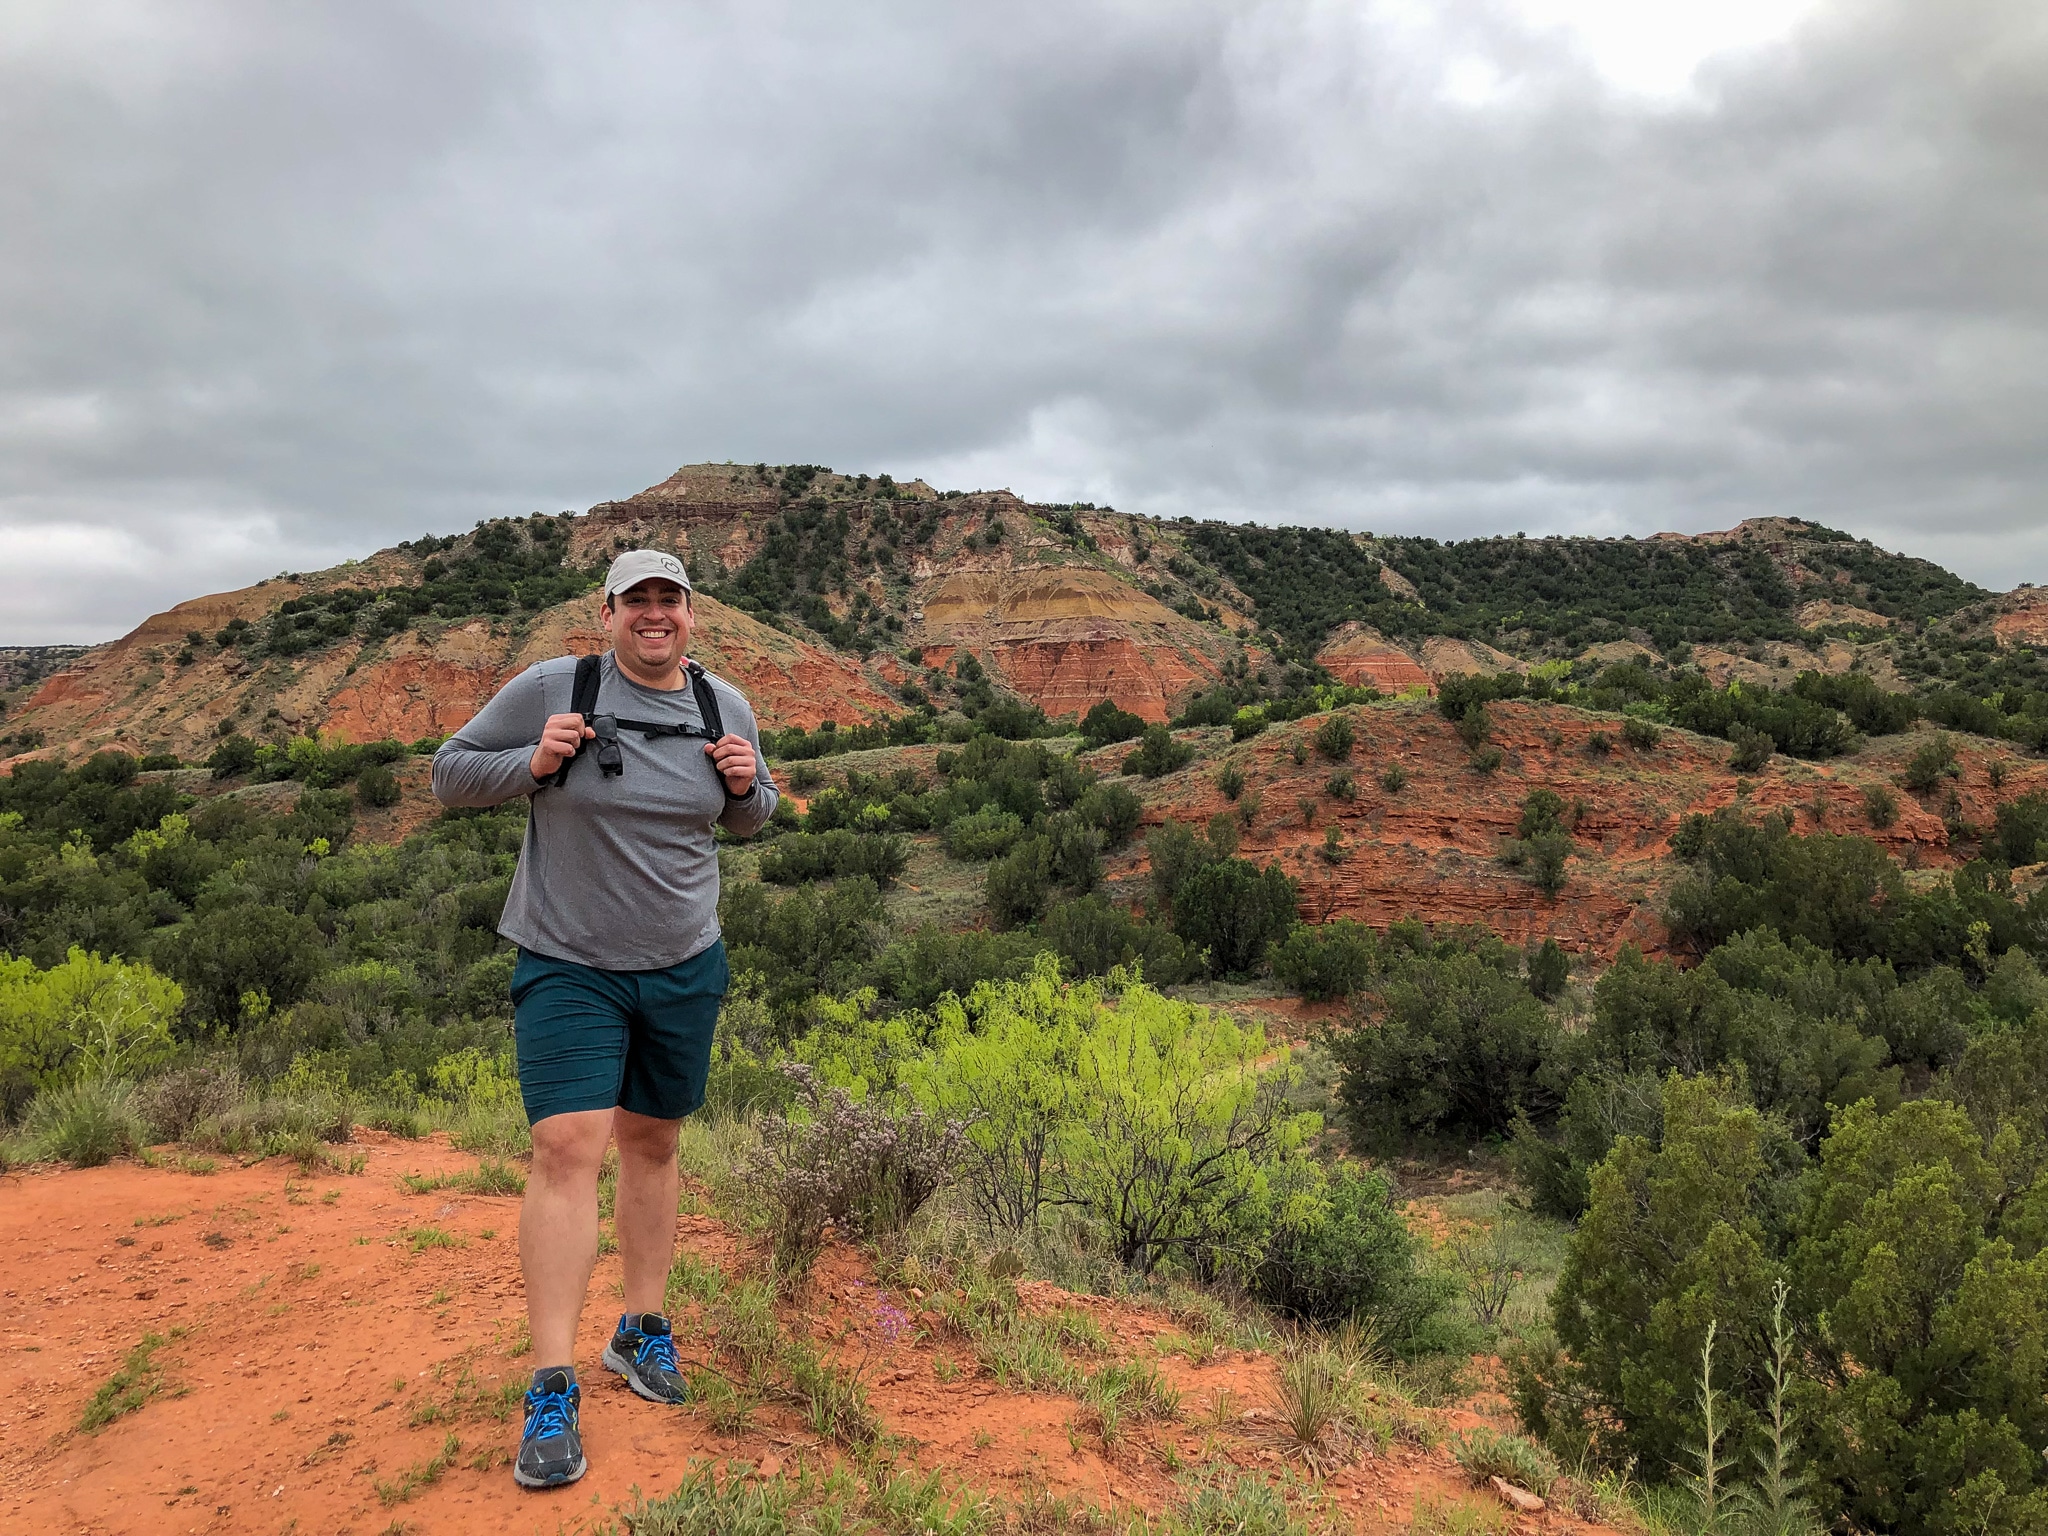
[490, 760]
[744, 815]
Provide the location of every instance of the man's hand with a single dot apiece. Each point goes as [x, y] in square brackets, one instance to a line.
[733, 757]
[559, 739]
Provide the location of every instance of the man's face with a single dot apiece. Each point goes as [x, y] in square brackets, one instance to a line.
[650, 624]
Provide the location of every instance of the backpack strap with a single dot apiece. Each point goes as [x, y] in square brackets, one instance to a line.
[707, 702]
[582, 701]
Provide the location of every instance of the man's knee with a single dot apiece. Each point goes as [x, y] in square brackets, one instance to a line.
[571, 1145]
[643, 1139]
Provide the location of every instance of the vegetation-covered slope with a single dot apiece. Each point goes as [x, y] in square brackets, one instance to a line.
[1717, 946]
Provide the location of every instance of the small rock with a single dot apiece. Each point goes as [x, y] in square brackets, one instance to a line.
[1252, 1415]
[1517, 1498]
[771, 1465]
[149, 1295]
[916, 1294]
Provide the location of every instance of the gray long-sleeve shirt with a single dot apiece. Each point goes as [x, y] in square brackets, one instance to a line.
[617, 873]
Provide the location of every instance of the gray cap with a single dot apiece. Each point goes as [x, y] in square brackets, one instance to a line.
[638, 565]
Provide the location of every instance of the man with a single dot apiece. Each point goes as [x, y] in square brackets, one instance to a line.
[621, 968]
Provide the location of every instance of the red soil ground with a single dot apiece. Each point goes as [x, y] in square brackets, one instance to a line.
[311, 1337]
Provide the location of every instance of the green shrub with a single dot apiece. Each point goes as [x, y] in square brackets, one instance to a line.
[172, 1106]
[1393, 778]
[1633, 1348]
[1236, 911]
[808, 856]
[1335, 736]
[1073, 851]
[1341, 786]
[1641, 734]
[1175, 851]
[1932, 761]
[1106, 723]
[811, 941]
[1352, 1256]
[1223, 835]
[1474, 725]
[226, 952]
[1458, 1049]
[1486, 760]
[377, 786]
[2019, 829]
[1091, 936]
[1113, 811]
[1753, 749]
[1020, 883]
[1542, 858]
[1600, 1107]
[1543, 811]
[1881, 806]
[1230, 781]
[234, 755]
[1326, 960]
[83, 1016]
[1174, 1127]
[1159, 754]
[1486, 1453]
[984, 834]
[84, 1124]
[920, 968]
[1549, 969]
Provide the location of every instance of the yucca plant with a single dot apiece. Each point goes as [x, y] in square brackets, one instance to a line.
[1705, 1485]
[1776, 1504]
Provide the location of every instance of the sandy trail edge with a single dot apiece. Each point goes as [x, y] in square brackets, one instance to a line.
[314, 1334]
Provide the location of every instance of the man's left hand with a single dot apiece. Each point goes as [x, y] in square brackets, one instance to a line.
[733, 757]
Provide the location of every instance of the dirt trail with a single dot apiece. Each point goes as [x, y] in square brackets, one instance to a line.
[315, 1347]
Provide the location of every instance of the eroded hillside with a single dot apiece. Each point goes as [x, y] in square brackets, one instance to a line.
[836, 597]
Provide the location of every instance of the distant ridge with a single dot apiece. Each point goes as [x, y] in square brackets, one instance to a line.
[834, 596]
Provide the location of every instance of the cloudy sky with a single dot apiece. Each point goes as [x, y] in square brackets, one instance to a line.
[282, 284]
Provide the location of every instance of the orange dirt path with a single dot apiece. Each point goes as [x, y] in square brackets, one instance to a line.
[313, 1336]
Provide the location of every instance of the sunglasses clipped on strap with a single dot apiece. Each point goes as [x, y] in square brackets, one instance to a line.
[611, 763]
[605, 728]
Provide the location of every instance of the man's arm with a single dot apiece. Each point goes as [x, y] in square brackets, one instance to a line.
[490, 760]
[748, 812]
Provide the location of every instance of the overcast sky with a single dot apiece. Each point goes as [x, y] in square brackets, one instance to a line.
[283, 284]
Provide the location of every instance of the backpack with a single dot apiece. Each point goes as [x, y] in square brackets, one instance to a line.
[583, 700]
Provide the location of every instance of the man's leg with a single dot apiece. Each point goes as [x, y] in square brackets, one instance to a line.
[644, 1207]
[558, 1227]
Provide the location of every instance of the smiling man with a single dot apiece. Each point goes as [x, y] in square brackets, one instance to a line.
[621, 968]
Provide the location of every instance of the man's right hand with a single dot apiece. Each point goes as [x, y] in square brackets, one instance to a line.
[559, 739]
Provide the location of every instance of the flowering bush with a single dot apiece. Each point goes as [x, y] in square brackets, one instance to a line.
[854, 1162]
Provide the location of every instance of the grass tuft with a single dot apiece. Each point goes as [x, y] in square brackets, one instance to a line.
[1486, 1453]
[421, 1474]
[138, 1380]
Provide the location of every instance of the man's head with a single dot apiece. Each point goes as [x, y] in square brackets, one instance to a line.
[647, 613]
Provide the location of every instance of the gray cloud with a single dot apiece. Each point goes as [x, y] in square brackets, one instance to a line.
[279, 285]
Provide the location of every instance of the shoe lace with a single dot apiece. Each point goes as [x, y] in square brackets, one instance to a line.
[658, 1349]
[548, 1413]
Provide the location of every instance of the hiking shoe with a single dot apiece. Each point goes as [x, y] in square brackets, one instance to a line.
[644, 1352]
[550, 1449]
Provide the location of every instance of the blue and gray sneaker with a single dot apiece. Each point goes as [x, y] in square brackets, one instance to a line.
[550, 1449]
[644, 1352]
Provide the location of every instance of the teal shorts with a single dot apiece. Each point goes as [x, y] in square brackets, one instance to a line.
[634, 1040]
